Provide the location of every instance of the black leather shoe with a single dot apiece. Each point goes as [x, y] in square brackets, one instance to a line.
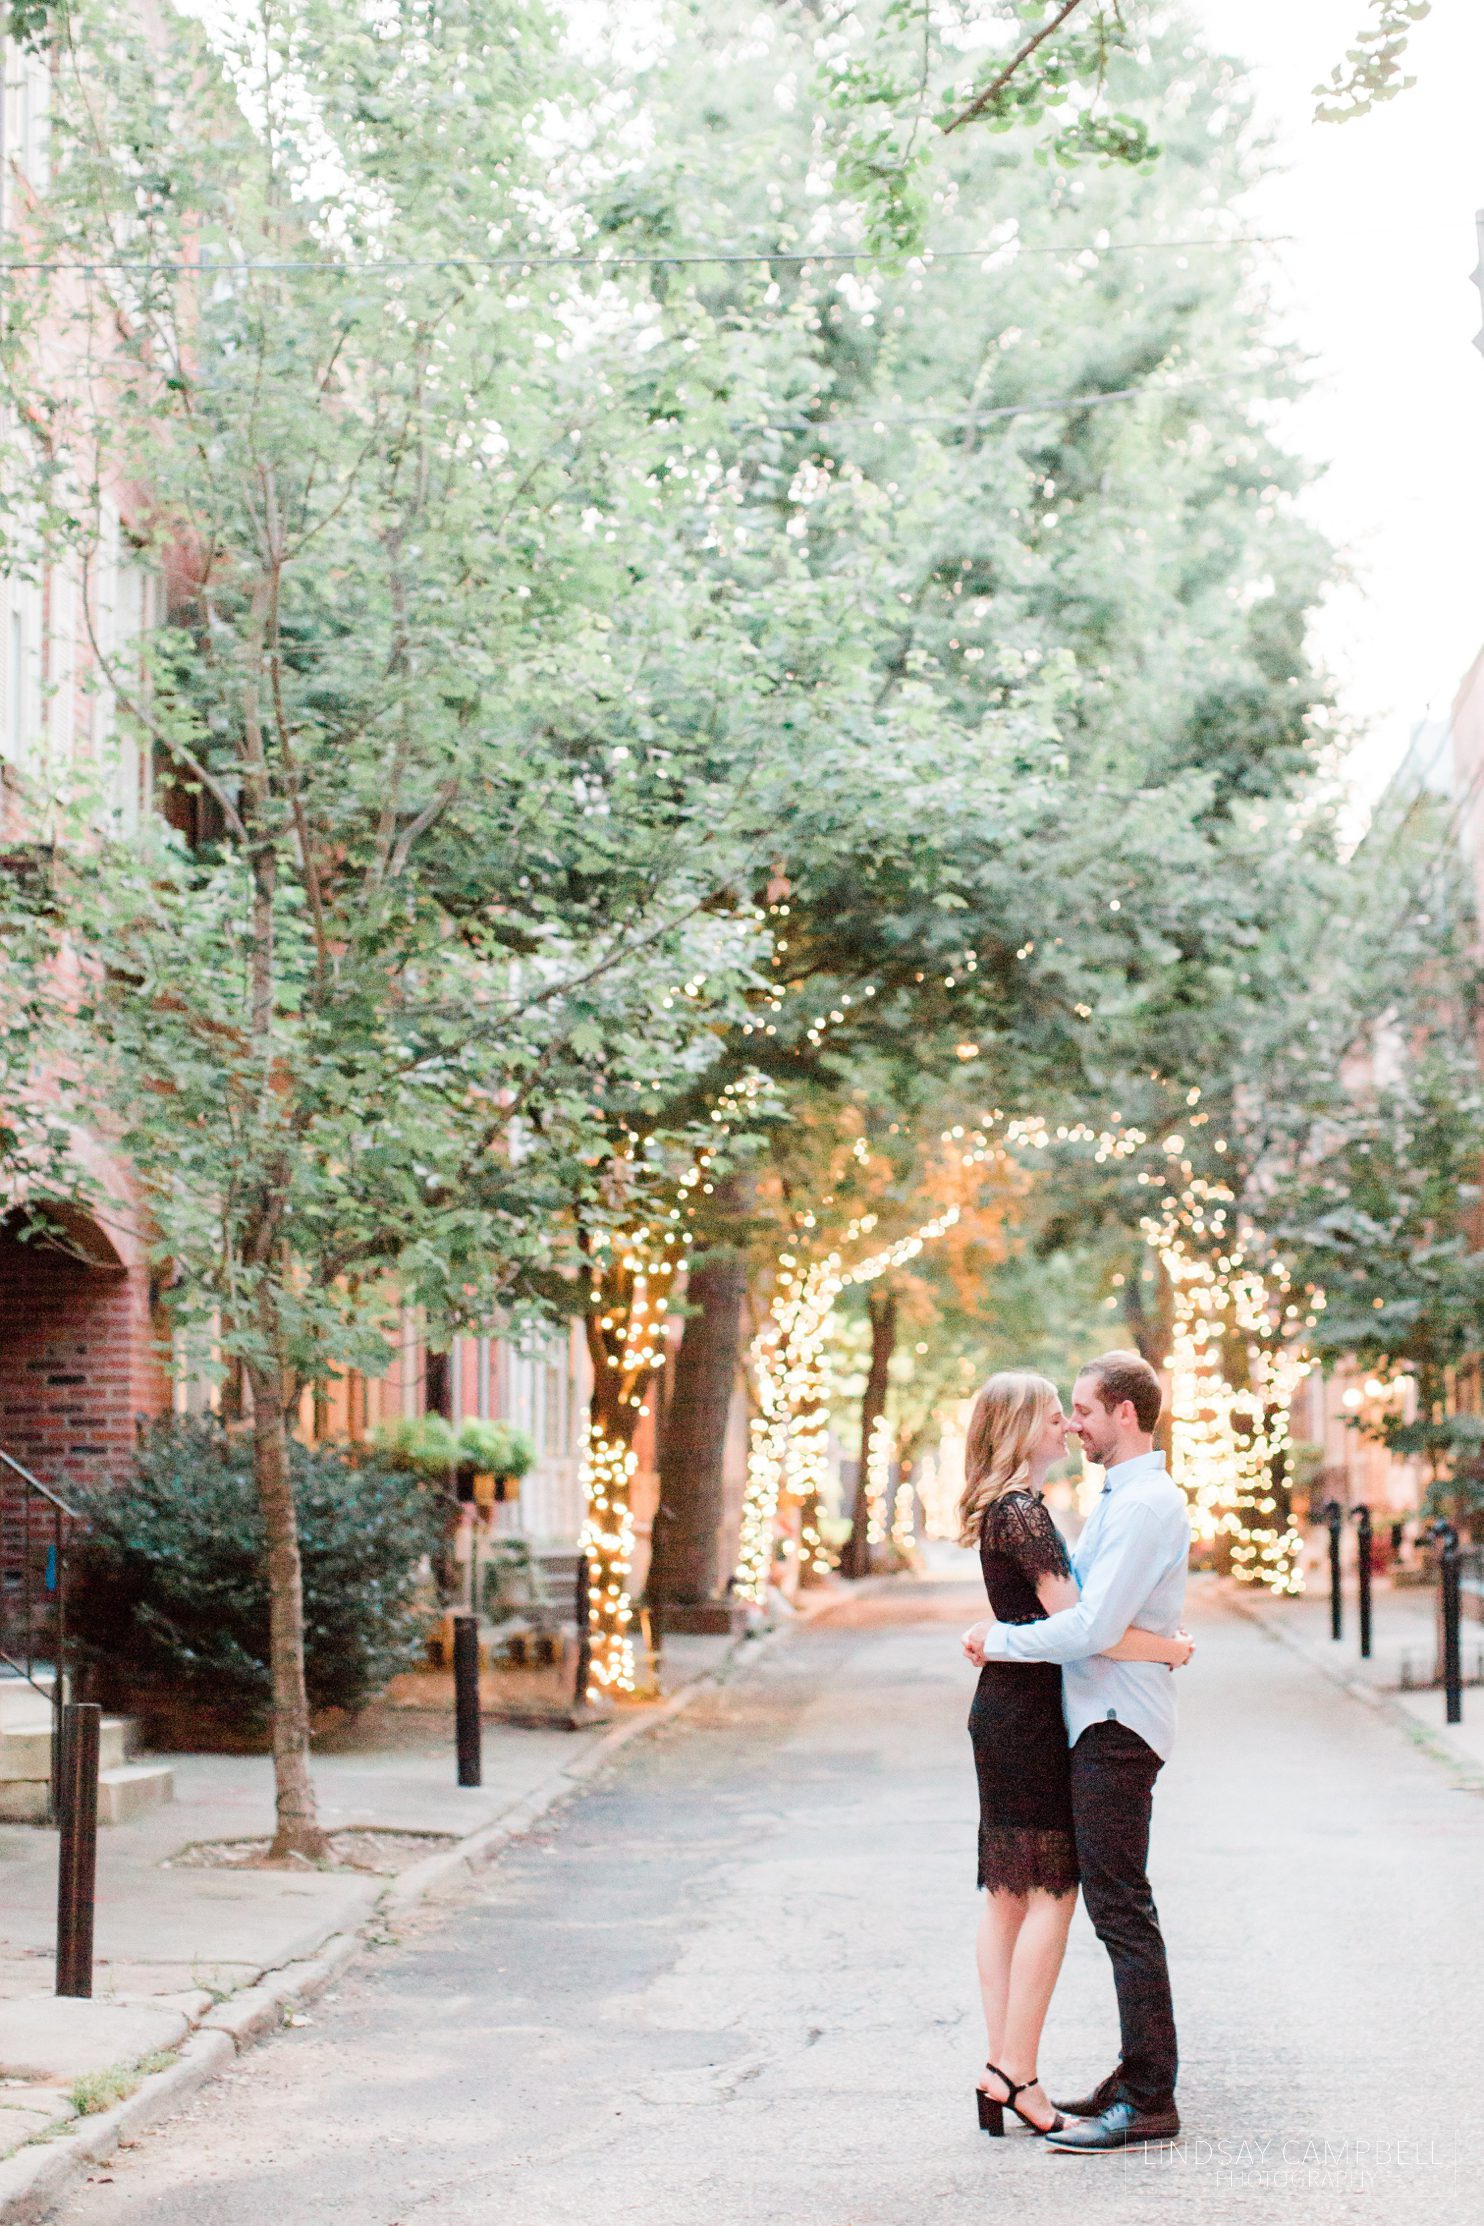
[1120, 2126]
[1107, 2091]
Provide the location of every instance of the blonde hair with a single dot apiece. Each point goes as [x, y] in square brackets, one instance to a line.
[1009, 1415]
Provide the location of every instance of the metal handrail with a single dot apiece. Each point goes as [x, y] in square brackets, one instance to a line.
[36, 1485]
[25, 1662]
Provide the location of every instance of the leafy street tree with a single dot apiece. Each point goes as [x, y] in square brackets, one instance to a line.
[902, 77]
[630, 731]
[1367, 1131]
[434, 832]
[1383, 1220]
[1085, 887]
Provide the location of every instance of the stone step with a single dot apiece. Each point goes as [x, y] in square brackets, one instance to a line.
[22, 1801]
[122, 1792]
[21, 1705]
[133, 1787]
[27, 1753]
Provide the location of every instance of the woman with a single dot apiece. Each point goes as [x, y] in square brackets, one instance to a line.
[1027, 1854]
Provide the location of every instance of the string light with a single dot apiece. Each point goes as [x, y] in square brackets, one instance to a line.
[1230, 1440]
[608, 1541]
[632, 1276]
[878, 1481]
[627, 1306]
[903, 1520]
[788, 1445]
[1234, 1362]
[788, 1437]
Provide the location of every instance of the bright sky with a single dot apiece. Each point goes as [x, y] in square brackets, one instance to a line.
[1382, 213]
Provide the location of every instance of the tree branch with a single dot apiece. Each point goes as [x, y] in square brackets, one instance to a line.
[135, 710]
[307, 860]
[996, 85]
[420, 826]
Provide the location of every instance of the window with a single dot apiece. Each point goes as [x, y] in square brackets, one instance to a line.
[15, 673]
[27, 86]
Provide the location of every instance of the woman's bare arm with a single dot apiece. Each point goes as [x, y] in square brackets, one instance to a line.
[1056, 1593]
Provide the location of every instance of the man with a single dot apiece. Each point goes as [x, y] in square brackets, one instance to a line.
[1130, 1565]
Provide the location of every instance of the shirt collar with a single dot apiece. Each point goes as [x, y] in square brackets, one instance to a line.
[1124, 1472]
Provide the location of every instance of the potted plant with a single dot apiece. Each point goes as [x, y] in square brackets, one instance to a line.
[423, 1444]
[492, 1457]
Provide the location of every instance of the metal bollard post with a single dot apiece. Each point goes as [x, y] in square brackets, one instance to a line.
[1363, 1565]
[1447, 1538]
[1334, 1515]
[468, 1729]
[582, 1605]
[77, 1851]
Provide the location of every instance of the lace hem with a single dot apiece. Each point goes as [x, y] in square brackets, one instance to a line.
[1022, 1859]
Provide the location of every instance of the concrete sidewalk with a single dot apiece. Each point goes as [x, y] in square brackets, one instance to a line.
[1398, 1677]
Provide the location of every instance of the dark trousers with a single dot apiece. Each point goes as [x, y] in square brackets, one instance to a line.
[1113, 1774]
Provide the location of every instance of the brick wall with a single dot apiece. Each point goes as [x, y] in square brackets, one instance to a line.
[78, 1361]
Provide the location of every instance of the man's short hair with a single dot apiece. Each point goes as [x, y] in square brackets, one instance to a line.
[1120, 1376]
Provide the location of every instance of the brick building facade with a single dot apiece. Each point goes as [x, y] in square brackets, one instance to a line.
[80, 1358]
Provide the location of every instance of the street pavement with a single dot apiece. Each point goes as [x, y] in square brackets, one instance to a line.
[170, 1935]
[732, 1985]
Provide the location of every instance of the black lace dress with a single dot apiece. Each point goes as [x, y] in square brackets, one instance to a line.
[1016, 1723]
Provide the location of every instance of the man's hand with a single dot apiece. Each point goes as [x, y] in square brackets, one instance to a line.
[974, 1639]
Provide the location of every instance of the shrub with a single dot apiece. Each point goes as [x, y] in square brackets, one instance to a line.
[171, 1587]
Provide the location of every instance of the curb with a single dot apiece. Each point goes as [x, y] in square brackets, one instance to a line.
[1433, 1743]
[32, 2179]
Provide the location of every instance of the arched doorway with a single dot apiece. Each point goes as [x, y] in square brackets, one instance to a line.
[78, 1357]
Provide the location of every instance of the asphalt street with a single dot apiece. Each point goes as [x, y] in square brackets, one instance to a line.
[732, 1985]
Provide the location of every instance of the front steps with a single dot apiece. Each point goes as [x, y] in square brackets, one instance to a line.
[125, 1786]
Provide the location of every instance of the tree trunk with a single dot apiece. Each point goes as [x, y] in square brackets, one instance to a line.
[881, 1309]
[1152, 1327]
[687, 1528]
[623, 1371]
[298, 1828]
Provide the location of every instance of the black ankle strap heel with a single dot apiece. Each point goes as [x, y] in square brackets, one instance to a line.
[992, 2108]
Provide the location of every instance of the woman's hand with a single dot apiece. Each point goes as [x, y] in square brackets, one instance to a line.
[1186, 1646]
[974, 1639]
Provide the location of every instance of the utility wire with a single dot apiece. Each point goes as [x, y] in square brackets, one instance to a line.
[203, 267]
[1021, 409]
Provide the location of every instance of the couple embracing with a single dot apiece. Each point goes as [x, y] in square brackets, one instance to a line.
[1072, 1720]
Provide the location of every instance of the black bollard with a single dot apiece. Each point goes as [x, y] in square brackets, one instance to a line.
[77, 1852]
[1334, 1515]
[468, 1730]
[1451, 1604]
[1363, 1570]
[582, 1608]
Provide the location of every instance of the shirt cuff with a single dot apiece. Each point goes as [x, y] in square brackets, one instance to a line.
[997, 1642]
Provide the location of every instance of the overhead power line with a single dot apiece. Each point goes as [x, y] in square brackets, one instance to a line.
[205, 267]
[1095, 400]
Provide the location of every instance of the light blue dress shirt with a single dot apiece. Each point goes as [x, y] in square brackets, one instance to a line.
[1130, 1565]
